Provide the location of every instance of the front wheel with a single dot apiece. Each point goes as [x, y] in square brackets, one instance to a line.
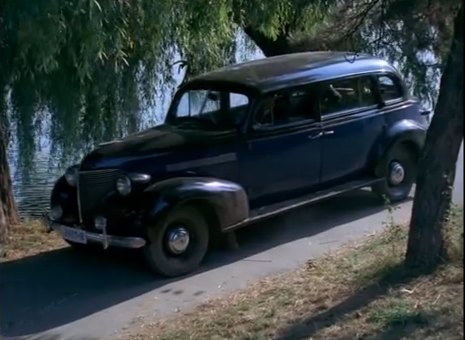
[178, 243]
[400, 171]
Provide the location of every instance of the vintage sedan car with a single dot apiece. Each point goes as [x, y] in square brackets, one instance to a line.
[241, 144]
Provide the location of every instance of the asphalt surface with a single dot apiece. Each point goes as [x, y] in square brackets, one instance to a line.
[65, 295]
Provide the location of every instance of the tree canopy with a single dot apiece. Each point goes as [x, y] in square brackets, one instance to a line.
[91, 67]
[94, 65]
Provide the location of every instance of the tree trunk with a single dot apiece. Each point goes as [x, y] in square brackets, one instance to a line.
[270, 47]
[437, 166]
[8, 212]
[283, 44]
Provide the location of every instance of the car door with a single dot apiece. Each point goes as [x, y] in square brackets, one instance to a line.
[281, 159]
[209, 150]
[351, 124]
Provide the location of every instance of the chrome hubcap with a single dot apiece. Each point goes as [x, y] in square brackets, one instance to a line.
[396, 173]
[178, 240]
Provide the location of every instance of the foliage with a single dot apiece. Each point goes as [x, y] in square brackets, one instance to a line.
[93, 67]
[414, 35]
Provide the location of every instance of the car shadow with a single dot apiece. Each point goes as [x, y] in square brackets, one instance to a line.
[51, 289]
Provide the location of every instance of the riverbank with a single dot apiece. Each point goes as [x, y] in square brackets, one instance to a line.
[358, 292]
[29, 239]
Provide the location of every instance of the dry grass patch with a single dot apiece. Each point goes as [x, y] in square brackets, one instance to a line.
[358, 292]
[28, 239]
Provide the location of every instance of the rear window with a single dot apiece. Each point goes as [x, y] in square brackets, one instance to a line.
[389, 88]
[346, 94]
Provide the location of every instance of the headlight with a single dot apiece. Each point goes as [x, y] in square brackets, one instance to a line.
[71, 176]
[123, 185]
[100, 222]
[56, 212]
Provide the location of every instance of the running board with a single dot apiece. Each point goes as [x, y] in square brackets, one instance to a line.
[281, 207]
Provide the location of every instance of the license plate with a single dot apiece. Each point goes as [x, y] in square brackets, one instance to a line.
[74, 235]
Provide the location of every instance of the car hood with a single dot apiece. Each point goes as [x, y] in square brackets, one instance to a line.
[147, 143]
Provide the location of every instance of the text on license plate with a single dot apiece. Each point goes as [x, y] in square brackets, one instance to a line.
[74, 235]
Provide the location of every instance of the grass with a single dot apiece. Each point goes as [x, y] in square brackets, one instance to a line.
[359, 292]
[29, 239]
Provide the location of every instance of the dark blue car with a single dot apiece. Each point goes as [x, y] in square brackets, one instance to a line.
[241, 144]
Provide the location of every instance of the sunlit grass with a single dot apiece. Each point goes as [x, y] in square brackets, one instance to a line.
[360, 291]
[30, 238]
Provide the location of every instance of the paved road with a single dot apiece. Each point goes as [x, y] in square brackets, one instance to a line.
[60, 295]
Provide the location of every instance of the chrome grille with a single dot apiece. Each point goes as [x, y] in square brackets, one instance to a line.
[94, 186]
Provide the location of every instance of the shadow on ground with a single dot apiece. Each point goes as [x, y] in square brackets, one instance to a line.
[306, 328]
[55, 288]
[396, 328]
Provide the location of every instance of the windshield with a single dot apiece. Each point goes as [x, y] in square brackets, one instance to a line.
[209, 108]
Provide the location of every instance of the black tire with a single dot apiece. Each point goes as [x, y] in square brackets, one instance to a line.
[407, 158]
[157, 252]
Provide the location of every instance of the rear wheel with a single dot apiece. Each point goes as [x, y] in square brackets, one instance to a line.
[178, 243]
[400, 171]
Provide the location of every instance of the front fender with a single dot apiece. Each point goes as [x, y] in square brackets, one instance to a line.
[64, 195]
[227, 201]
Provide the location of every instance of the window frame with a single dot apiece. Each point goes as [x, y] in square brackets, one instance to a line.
[299, 124]
[397, 82]
[348, 112]
[219, 87]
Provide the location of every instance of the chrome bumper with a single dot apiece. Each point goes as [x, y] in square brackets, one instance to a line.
[104, 239]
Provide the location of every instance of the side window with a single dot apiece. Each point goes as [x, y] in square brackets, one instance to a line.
[389, 88]
[237, 100]
[198, 102]
[238, 106]
[286, 108]
[346, 94]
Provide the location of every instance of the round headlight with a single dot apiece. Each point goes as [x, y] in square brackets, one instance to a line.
[71, 176]
[56, 212]
[123, 185]
[100, 222]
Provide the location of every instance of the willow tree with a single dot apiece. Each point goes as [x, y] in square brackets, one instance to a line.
[91, 67]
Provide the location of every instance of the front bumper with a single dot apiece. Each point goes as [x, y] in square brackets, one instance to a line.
[103, 239]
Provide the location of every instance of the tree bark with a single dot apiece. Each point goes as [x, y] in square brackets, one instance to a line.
[283, 44]
[8, 211]
[433, 197]
[270, 47]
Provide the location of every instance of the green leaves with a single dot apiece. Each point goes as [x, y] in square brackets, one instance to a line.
[95, 65]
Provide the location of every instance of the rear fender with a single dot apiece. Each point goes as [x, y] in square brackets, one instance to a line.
[224, 203]
[407, 132]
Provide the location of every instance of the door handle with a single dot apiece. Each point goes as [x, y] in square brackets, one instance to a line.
[330, 132]
[318, 135]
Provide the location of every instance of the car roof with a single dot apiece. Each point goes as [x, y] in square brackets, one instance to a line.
[287, 70]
